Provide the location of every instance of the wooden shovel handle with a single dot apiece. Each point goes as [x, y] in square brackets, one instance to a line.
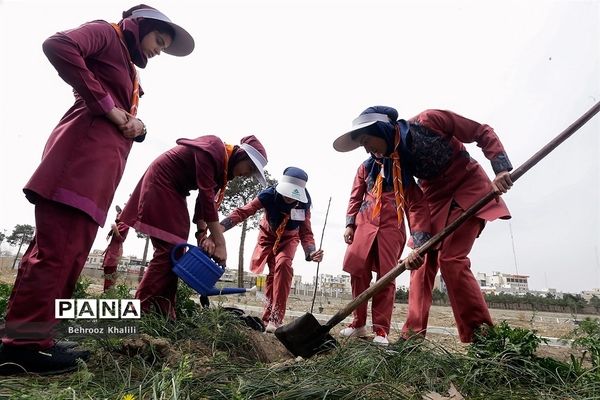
[516, 174]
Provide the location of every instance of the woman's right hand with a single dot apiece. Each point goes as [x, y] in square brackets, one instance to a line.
[117, 116]
[349, 235]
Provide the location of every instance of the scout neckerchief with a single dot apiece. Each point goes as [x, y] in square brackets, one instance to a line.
[221, 193]
[397, 179]
[135, 98]
[279, 232]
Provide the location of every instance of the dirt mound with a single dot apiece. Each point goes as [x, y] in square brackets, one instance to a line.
[267, 347]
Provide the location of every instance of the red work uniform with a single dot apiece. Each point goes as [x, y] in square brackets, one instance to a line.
[279, 260]
[378, 241]
[74, 185]
[451, 181]
[113, 253]
[158, 208]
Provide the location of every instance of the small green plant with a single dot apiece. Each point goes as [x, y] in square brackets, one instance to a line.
[81, 287]
[491, 341]
[5, 290]
[587, 338]
[184, 305]
[120, 291]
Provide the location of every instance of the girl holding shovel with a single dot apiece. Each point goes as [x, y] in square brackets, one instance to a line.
[430, 148]
[285, 224]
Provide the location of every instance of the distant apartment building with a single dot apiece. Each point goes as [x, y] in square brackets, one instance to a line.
[499, 282]
[589, 294]
[126, 263]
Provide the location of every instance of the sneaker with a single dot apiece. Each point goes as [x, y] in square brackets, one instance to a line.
[380, 337]
[271, 327]
[55, 360]
[354, 332]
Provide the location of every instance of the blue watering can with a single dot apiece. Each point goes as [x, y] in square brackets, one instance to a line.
[200, 272]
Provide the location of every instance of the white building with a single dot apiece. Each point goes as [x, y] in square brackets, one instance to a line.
[501, 282]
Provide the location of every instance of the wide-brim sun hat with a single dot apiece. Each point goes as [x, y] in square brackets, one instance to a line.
[258, 160]
[183, 42]
[293, 184]
[346, 142]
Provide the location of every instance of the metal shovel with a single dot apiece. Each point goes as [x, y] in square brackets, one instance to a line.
[306, 337]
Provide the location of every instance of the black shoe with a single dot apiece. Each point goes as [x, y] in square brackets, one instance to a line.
[19, 359]
[66, 344]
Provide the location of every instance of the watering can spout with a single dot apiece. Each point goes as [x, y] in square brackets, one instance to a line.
[225, 291]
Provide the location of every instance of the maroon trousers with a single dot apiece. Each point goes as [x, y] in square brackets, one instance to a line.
[158, 287]
[278, 285]
[382, 303]
[468, 305]
[110, 276]
[49, 270]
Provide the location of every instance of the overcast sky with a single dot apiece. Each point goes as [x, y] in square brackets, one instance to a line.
[295, 74]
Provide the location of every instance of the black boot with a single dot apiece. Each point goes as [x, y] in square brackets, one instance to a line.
[54, 360]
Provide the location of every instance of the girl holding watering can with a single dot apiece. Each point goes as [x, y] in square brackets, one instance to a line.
[158, 206]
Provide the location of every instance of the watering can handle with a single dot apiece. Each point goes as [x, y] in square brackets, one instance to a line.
[175, 249]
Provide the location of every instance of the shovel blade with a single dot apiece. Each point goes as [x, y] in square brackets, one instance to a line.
[305, 337]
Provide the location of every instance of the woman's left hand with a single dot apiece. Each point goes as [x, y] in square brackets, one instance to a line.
[133, 128]
[316, 256]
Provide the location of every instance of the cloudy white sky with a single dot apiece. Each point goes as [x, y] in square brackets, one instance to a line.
[295, 74]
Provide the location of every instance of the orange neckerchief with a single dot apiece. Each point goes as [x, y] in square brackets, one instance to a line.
[279, 232]
[135, 98]
[397, 179]
[221, 193]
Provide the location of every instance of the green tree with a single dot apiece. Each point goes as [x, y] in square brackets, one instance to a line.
[239, 192]
[401, 295]
[595, 302]
[2, 237]
[21, 234]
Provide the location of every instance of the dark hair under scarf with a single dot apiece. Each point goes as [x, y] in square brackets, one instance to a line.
[387, 132]
[134, 30]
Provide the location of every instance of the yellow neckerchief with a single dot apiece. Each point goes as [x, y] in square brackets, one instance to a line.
[397, 179]
[221, 193]
[135, 98]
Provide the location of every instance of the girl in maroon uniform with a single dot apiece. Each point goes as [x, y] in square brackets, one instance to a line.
[81, 166]
[430, 147]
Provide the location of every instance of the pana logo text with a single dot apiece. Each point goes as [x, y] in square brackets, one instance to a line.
[97, 308]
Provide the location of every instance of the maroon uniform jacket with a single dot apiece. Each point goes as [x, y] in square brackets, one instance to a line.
[85, 155]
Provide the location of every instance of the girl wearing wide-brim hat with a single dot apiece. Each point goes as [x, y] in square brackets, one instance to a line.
[158, 206]
[284, 225]
[81, 166]
[376, 234]
[430, 147]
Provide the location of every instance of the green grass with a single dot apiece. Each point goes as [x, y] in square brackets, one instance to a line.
[208, 354]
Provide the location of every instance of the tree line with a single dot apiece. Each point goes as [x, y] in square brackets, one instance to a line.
[570, 303]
